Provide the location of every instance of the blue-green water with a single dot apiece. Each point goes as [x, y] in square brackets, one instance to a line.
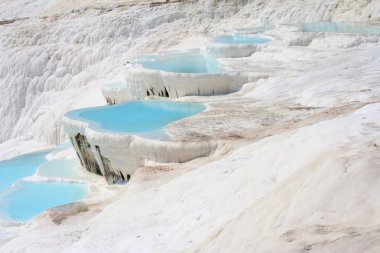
[19, 167]
[188, 62]
[240, 39]
[30, 199]
[137, 117]
[339, 28]
[60, 168]
[21, 200]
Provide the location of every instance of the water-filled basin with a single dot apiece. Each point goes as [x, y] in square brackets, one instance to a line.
[60, 168]
[339, 28]
[187, 62]
[19, 167]
[29, 199]
[136, 117]
[240, 40]
[21, 200]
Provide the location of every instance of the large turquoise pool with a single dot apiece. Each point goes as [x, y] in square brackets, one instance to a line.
[21, 200]
[339, 28]
[240, 39]
[29, 199]
[188, 62]
[136, 117]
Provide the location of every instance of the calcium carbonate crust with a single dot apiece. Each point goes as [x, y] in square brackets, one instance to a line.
[117, 156]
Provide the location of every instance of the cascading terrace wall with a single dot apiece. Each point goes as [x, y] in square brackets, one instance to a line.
[117, 156]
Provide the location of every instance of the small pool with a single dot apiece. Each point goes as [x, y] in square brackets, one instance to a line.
[339, 28]
[240, 39]
[136, 117]
[21, 200]
[29, 199]
[188, 62]
[19, 167]
[60, 168]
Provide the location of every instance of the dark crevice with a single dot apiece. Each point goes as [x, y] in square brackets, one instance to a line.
[88, 158]
[111, 101]
[76, 151]
[122, 176]
[166, 92]
[6, 22]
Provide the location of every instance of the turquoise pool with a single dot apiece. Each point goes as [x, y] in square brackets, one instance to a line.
[59, 168]
[339, 28]
[19, 167]
[29, 199]
[136, 117]
[22, 200]
[188, 62]
[240, 39]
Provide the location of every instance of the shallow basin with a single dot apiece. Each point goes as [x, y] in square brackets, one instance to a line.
[135, 117]
[30, 199]
[19, 167]
[60, 168]
[114, 141]
[21, 199]
[235, 46]
[240, 39]
[173, 74]
[187, 62]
